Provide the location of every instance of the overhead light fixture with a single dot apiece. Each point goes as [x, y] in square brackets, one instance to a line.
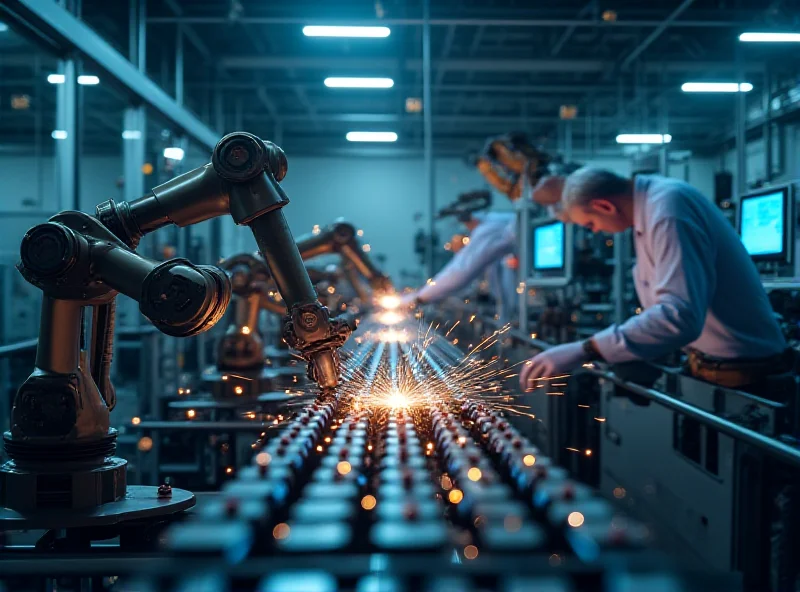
[716, 87]
[88, 80]
[644, 139]
[336, 31]
[59, 134]
[131, 135]
[371, 137]
[3, 27]
[56, 78]
[334, 82]
[173, 153]
[770, 37]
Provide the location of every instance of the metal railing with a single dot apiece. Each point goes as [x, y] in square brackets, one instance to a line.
[769, 446]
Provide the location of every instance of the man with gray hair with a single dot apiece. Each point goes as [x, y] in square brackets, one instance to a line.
[700, 289]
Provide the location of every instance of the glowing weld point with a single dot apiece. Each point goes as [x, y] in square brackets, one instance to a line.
[368, 502]
[474, 474]
[575, 519]
[600, 419]
[245, 330]
[455, 496]
[389, 301]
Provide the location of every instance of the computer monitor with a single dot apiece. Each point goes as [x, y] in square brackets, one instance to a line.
[548, 246]
[766, 223]
[551, 254]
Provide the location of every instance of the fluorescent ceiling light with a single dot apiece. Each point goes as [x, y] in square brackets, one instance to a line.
[770, 37]
[644, 139]
[59, 134]
[716, 87]
[332, 31]
[359, 82]
[173, 153]
[56, 78]
[3, 27]
[131, 135]
[371, 137]
[88, 80]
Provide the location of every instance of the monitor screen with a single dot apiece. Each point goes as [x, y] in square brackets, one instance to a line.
[548, 246]
[763, 220]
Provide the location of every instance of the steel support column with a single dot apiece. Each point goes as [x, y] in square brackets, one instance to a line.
[741, 129]
[133, 152]
[427, 103]
[766, 98]
[63, 31]
[67, 138]
[179, 66]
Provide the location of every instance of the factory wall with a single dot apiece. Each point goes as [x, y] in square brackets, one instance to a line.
[785, 157]
[385, 197]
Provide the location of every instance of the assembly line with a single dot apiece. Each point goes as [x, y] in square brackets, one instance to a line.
[588, 381]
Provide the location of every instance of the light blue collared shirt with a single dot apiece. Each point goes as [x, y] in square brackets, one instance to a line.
[696, 281]
[494, 238]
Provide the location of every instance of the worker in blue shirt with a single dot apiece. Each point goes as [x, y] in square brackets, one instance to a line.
[493, 237]
[699, 287]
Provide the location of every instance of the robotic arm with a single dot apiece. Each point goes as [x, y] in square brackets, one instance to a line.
[77, 262]
[340, 237]
[242, 180]
[510, 160]
[465, 205]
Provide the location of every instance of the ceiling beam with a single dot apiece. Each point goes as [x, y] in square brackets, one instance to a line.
[637, 51]
[345, 64]
[446, 22]
[48, 19]
[562, 41]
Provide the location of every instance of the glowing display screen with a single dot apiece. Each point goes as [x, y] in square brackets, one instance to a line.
[548, 246]
[763, 220]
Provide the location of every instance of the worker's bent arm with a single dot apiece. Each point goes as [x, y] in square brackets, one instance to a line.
[469, 263]
[684, 276]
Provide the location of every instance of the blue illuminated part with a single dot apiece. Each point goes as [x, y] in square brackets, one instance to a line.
[238, 553]
[763, 220]
[548, 246]
[585, 548]
[280, 493]
[362, 480]
[540, 498]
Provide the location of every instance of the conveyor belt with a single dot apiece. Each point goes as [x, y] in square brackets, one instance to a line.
[403, 481]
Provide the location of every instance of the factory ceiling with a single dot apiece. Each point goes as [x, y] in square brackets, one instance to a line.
[496, 66]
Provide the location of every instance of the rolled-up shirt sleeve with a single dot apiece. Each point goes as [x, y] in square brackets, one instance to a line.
[684, 278]
[468, 264]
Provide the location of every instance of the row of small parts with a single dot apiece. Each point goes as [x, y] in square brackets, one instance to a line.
[319, 581]
[240, 516]
[483, 502]
[589, 522]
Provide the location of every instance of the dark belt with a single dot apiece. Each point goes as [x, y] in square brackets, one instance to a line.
[739, 372]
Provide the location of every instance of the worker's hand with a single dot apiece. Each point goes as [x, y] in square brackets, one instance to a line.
[556, 361]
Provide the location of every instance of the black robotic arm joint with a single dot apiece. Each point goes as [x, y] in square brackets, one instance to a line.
[182, 299]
